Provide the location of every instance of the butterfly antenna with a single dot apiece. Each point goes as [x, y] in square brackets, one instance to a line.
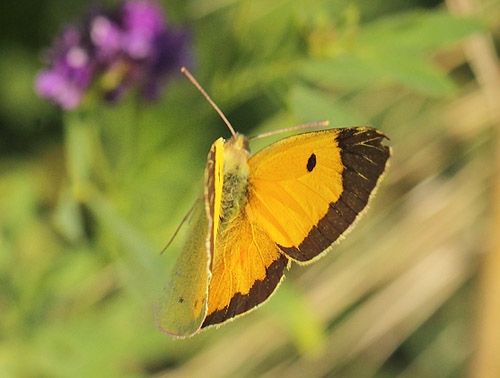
[293, 128]
[179, 227]
[198, 86]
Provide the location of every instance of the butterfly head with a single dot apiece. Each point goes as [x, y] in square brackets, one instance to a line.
[236, 154]
[238, 142]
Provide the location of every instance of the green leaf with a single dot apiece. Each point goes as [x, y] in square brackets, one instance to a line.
[139, 257]
[67, 217]
[417, 32]
[314, 105]
[352, 72]
[414, 73]
[394, 50]
[346, 71]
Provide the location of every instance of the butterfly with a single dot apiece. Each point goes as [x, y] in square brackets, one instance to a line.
[291, 201]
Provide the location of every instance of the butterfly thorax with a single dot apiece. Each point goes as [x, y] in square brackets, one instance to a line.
[235, 186]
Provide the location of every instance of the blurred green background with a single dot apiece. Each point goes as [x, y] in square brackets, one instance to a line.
[89, 198]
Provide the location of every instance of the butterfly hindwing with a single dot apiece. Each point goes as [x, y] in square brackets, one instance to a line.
[183, 305]
[246, 270]
[246, 265]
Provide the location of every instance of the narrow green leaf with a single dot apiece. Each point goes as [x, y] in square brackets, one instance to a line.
[139, 257]
[414, 73]
[313, 105]
[67, 217]
[346, 71]
[417, 31]
[374, 67]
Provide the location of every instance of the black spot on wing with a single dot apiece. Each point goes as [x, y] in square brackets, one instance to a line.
[311, 162]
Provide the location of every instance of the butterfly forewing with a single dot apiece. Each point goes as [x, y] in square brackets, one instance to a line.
[326, 180]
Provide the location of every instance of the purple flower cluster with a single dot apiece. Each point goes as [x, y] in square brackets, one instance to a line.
[132, 47]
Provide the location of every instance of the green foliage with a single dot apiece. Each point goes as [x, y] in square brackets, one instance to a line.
[89, 198]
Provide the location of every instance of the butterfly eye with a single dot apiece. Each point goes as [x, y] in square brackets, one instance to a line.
[311, 163]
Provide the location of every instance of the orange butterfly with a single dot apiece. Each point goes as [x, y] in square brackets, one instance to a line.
[291, 201]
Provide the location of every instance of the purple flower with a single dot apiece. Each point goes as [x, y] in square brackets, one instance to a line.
[142, 21]
[116, 50]
[168, 56]
[68, 78]
[106, 37]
